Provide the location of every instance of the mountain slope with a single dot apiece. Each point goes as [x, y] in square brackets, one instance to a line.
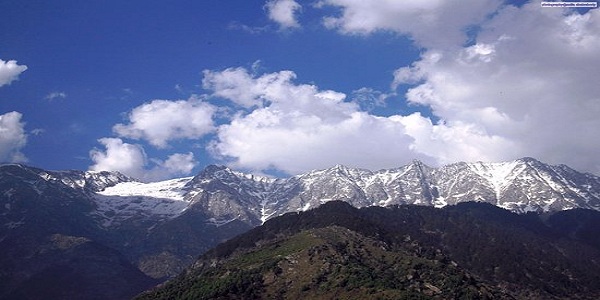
[336, 252]
[47, 241]
[160, 227]
[37, 207]
[67, 267]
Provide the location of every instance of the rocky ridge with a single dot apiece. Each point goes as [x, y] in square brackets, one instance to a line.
[520, 186]
[160, 227]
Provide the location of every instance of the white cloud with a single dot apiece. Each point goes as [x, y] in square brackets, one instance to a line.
[161, 121]
[56, 95]
[528, 87]
[300, 127]
[456, 141]
[179, 163]
[130, 159]
[119, 156]
[517, 90]
[429, 22]
[10, 71]
[239, 86]
[283, 12]
[12, 137]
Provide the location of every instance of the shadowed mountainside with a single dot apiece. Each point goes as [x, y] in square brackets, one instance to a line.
[467, 251]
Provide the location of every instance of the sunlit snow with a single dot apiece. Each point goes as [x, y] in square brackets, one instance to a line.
[165, 199]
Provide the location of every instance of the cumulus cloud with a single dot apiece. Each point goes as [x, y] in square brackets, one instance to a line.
[527, 86]
[127, 158]
[178, 163]
[131, 159]
[241, 87]
[456, 141]
[283, 12]
[10, 71]
[524, 85]
[429, 22]
[12, 137]
[161, 121]
[300, 127]
[508, 94]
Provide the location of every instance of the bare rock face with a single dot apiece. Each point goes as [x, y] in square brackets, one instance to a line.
[520, 186]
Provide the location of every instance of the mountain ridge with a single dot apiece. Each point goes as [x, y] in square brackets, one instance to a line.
[521, 185]
[161, 227]
[224, 194]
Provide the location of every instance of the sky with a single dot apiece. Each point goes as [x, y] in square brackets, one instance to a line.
[159, 90]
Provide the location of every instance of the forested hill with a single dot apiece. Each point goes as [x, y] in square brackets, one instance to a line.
[469, 251]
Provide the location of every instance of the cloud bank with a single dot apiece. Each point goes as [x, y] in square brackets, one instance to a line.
[297, 127]
[502, 82]
[535, 90]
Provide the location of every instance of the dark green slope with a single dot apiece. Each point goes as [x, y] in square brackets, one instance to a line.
[68, 267]
[49, 247]
[468, 251]
[332, 262]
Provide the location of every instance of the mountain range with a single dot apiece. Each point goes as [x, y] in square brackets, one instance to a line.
[520, 186]
[151, 231]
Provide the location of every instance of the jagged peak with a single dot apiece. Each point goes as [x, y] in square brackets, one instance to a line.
[209, 172]
[211, 169]
[536, 164]
[341, 167]
[418, 165]
[89, 180]
[19, 166]
[528, 159]
[93, 180]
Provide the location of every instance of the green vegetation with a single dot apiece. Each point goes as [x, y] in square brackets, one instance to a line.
[468, 251]
[274, 252]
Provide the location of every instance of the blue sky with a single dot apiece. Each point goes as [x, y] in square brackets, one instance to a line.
[157, 90]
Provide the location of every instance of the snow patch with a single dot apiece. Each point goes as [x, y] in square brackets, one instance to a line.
[440, 202]
[164, 200]
[220, 222]
[498, 175]
[306, 207]
[168, 189]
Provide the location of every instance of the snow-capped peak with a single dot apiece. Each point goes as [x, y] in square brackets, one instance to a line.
[224, 195]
